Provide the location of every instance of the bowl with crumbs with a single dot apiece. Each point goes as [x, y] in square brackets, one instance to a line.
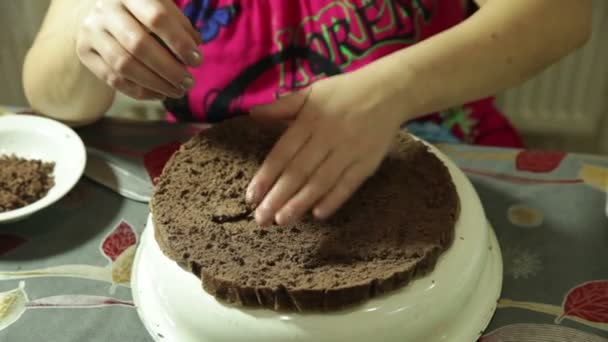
[40, 162]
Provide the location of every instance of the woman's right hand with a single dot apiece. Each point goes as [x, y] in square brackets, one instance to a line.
[116, 42]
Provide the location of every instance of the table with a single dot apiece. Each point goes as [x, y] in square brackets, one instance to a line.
[64, 273]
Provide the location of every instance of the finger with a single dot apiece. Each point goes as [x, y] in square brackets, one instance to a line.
[322, 181]
[296, 174]
[103, 71]
[285, 108]
[138, 92]
[349, 182]
[194, 33]
[196, 36]
[161, 20]
[127, 66]
[281, 154]
[134, 39]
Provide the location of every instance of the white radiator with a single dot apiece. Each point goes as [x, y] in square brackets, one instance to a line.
[566, 107]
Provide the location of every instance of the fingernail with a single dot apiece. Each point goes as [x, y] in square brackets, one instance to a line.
[187, 83]
[250, 195]
[195, 58]
[260, 217]
[284, 217]
[263, 215]
[318, 213]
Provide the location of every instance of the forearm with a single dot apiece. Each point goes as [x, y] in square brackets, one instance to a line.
[55, 82]
[503, 44]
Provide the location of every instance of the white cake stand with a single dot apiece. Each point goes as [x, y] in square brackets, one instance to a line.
[453, 303]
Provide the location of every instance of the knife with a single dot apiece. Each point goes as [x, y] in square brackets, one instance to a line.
[113, 173]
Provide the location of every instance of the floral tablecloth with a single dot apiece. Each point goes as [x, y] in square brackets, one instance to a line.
[65, 272]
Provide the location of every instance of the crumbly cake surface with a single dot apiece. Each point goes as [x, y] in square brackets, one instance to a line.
[393, 229]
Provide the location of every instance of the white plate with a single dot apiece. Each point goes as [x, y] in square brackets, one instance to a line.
[453, 303]
[36, 137]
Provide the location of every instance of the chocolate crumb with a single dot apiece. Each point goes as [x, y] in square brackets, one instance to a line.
[23, 181]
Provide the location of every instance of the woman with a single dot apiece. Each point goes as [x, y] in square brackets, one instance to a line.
[346, 74]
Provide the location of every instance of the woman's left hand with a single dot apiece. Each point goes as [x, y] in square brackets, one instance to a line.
[339, 133]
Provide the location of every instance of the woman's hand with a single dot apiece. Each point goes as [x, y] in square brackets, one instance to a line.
[115, 42]
[339, 134]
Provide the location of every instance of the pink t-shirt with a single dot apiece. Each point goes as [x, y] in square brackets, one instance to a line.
[256, 50]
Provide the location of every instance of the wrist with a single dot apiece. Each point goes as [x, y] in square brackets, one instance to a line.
[391, 89]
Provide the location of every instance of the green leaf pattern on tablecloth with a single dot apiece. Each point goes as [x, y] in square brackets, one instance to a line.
[14, 303]
[119, 247]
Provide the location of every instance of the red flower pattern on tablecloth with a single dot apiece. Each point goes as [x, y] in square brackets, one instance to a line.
[588, 301]
[120, 239]
[9, 242]
[155, 160]
[538, 161]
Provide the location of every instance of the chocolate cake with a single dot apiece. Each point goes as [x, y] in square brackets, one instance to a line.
[23, 181]
[393, 229]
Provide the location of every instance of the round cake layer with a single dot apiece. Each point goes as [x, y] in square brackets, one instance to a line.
[393, 229]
